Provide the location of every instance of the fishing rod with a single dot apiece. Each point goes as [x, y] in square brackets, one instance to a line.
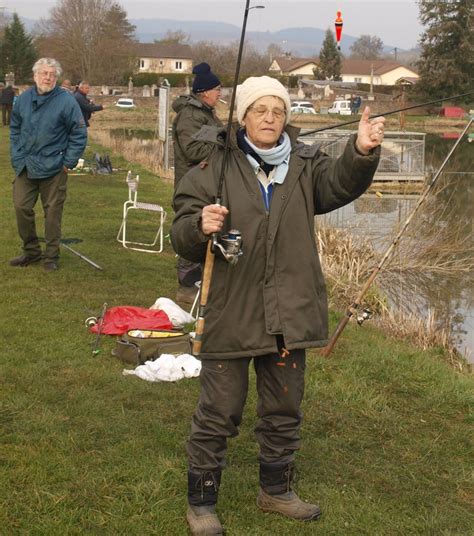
[353, 309]
[228, 245]
[66, 241]
[454, 97]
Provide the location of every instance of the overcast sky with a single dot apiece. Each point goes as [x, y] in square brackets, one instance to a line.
[394, 21]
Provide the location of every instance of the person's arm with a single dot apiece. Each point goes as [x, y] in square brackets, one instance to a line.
[369, 133]
[86, 105]
[338, 182]
[16, 151]
[77, 131]
[189, 124]
[191, 198]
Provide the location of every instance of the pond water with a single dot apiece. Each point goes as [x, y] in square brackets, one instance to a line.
[446, 216]
[443, 224]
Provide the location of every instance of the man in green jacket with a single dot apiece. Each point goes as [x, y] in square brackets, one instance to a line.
[272, 304]
[47, 137]
[192, 113]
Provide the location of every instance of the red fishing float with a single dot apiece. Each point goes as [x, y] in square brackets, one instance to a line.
[338, 26]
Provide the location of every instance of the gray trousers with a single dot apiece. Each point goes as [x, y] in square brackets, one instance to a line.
[189, 272]
[52, 192]
[224, 387]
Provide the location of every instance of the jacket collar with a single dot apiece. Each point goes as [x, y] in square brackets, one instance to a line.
[190, 100]
[41, 99]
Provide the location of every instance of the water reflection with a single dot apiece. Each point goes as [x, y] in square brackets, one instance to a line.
[133, 134]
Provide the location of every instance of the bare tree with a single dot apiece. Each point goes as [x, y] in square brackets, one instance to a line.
[367, 47]
[223, 58]
[92, 39]
[274, 50]
[177, 37]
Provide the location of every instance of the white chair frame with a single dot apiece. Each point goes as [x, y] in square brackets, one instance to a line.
[133, 204]
[194, 311]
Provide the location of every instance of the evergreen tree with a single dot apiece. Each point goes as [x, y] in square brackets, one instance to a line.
[329, 59]
[17, 52]
[446, 64]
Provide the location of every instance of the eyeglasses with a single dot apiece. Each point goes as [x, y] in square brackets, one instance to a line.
[47, 74]
[261, 112]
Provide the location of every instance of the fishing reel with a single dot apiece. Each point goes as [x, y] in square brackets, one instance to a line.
[362, 316]
[228, 245]
[91, 321]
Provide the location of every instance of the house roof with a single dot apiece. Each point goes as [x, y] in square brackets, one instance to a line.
[156, 50]
[288, 64]
[409, 79]
[364, 67]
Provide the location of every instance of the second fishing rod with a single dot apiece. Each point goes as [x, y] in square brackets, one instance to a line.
[384, 114]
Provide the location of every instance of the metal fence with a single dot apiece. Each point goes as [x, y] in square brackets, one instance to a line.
[402, 157]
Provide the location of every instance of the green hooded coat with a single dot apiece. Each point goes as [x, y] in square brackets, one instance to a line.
[192, 114]
[277, 286]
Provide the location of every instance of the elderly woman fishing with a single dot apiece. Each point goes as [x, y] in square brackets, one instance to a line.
[271, 306]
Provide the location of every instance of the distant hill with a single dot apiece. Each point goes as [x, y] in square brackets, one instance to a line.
[302, 42]
[305, 41]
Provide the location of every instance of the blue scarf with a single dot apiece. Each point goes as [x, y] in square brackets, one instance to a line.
[278, 156]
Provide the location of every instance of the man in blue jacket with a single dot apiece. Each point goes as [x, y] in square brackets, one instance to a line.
[47, 137]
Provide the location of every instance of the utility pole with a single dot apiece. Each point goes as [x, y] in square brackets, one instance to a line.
[371, 92]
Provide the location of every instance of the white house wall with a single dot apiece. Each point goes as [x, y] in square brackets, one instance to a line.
[391, 77]
[164, 65]
[306, 70]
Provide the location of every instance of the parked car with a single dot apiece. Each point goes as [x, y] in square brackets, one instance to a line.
[302, 110]
[302, 103]
[342, 107]
[125, 103]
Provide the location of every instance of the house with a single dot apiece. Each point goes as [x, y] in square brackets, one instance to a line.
[289, 66]
[156, 58]
[380, 72]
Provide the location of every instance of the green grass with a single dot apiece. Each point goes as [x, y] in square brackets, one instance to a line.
[84, 450]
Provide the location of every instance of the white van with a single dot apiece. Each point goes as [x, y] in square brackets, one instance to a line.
[342, 107]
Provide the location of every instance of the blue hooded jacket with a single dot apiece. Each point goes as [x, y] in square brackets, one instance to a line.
[47, 132]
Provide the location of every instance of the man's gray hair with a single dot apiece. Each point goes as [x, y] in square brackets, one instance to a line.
[51, 62]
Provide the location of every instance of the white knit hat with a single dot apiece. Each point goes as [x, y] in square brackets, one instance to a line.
[260, 86]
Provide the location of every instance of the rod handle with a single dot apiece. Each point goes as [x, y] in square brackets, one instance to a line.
[205, 286]
[340, 328]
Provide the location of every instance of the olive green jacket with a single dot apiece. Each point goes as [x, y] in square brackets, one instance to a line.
[192, 114]
[277, 286]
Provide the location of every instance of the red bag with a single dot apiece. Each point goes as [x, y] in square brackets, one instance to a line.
[119, 320]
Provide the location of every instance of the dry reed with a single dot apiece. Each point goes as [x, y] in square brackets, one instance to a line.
[147, 153]
[348, 262]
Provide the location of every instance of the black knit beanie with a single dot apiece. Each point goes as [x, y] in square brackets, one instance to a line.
[205, 79]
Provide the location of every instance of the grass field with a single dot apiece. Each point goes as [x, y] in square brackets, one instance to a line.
[84, 450]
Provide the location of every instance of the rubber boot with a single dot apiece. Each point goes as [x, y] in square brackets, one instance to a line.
[202, 499]
[276, 495]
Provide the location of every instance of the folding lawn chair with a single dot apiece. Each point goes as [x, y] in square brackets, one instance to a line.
[195, 307]
[133, 204]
